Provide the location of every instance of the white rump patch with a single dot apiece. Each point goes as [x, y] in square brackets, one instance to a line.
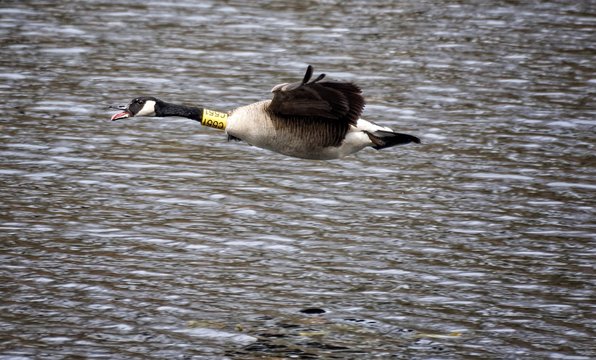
[364, 125]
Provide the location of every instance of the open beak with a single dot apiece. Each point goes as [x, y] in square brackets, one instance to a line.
[121, 115]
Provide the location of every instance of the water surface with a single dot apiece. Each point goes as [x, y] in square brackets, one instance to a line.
[156, 238]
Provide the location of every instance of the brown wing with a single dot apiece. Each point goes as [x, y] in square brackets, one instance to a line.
[336, 101]
[328, 107]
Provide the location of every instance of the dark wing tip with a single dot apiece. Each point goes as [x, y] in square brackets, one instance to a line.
[308, 74]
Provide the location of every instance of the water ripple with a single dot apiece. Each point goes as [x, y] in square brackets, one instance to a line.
[155, 238]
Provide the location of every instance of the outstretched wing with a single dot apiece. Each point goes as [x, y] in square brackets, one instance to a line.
[334, 101]
[317, 112]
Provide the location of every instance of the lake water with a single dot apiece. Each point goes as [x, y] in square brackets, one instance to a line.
[158, 239]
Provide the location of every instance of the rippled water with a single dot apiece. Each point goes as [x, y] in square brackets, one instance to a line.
[156, 238]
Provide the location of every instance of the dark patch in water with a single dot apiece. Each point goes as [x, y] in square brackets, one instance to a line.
[312, 311]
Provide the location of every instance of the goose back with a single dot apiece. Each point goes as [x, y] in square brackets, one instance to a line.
[302, 118]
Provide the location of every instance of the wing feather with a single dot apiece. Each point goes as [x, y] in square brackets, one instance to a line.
[336, 101]
[328, 107]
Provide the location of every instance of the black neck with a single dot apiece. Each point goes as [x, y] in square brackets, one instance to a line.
[190, 112]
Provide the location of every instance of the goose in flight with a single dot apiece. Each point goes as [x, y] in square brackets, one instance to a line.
[310, 119]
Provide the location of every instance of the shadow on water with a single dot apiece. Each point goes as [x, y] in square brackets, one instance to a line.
[158, 239]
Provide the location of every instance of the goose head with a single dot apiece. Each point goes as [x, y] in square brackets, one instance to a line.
[140, 106]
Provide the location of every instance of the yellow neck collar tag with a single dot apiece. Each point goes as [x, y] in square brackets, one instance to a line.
[214, 119]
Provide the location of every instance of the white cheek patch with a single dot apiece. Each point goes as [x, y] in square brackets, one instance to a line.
[148, 109]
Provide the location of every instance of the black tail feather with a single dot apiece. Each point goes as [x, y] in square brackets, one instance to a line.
[384, 139]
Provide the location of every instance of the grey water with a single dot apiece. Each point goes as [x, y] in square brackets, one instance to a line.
[159, 239]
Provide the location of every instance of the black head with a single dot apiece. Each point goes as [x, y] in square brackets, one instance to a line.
[140, 106]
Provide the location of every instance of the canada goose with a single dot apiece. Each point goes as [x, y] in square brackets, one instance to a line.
[308, 119]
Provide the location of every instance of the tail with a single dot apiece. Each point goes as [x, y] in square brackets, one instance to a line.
[383, 139]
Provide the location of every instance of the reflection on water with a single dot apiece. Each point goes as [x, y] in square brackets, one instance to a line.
[159, 239]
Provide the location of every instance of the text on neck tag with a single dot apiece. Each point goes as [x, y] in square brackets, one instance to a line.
[214, 119]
